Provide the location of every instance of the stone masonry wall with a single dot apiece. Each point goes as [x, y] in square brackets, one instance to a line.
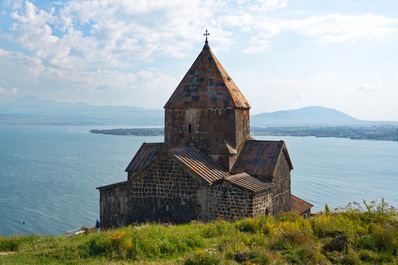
[229, 202]
[282, 189]
[205, 127]
[164, 192]
[262, 203]
[113, 205]
[242, 117]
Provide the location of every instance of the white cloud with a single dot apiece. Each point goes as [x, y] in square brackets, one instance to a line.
[89, 33]
[369, 87]
[13, 90]
[263, 5]
[257, 45]
[13, 4]
[103, 52]
[333, 28]
[341, 28]
[143, 88]
[300, 96]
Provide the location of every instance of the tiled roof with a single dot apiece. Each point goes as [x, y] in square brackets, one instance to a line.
[206, 85]
[250, 183]
[222, 148]
[199, 163]
[299, 205]
[145, 155]
[114, 185]
[259, 158]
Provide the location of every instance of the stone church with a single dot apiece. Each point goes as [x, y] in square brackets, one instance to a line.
[208, 167]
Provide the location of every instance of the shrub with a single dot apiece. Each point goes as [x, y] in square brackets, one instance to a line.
[295, 237]
[351, 258]
[327, 209]
[248, 225]
[368, 256]
[385, 238]
[279, 243]
[9, 244]
[305, 255]
[122, 245]
[327, 226]
[17, 242]
[114, 244]
[203, 257]
[262, 257]
[339, 243]
[288, 216]
[217, 229]
[386, 257]
[242, 257]
[260, 224]
[156, 241]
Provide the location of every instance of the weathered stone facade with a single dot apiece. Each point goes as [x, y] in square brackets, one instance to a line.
[230, 203]
[167, 192]
[206, 127]
[164, 192]
[282, 189]
[209, 167]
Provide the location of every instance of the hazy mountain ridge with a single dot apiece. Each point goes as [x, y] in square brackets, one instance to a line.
[30, 110]
[309, 116]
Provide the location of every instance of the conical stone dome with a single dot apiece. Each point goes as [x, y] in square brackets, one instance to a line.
[207, 85]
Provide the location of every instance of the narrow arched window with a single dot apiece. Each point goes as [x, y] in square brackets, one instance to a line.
[189, 128]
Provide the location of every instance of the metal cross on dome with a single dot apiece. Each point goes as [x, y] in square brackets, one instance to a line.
[206, 34]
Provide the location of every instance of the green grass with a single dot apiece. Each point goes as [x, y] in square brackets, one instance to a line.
[371, 238]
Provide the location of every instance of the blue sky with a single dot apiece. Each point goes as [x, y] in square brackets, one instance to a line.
[282, 54]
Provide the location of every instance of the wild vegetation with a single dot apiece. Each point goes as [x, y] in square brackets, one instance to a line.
[351, 235]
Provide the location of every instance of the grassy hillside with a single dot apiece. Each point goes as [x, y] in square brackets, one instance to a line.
[349, 236]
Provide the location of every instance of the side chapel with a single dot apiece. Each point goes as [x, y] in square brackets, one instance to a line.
[208, 167]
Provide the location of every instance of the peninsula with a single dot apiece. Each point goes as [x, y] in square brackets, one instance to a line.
[375, 132]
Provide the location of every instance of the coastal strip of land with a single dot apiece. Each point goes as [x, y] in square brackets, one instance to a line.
[131, 132]
[379, 133]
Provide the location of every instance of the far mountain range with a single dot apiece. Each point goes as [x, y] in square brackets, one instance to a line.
[30, 110]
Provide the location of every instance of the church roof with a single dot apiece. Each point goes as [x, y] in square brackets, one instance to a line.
[207, 85]
[259, 158]
[299, 205]
[222, 148]
[199, 163]
[248, 182]
[114, 185]
[145, 155]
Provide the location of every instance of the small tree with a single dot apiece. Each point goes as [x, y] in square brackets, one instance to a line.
[327, 209]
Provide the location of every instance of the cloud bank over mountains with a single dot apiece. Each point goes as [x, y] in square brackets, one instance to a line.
[132, 52]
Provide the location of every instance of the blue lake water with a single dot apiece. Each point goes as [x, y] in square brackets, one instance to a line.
[49, 175]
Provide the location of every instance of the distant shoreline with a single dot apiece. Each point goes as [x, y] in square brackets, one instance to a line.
[374, 133]
[131, 131]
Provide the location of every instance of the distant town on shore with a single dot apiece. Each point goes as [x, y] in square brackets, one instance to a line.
[379, 133]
